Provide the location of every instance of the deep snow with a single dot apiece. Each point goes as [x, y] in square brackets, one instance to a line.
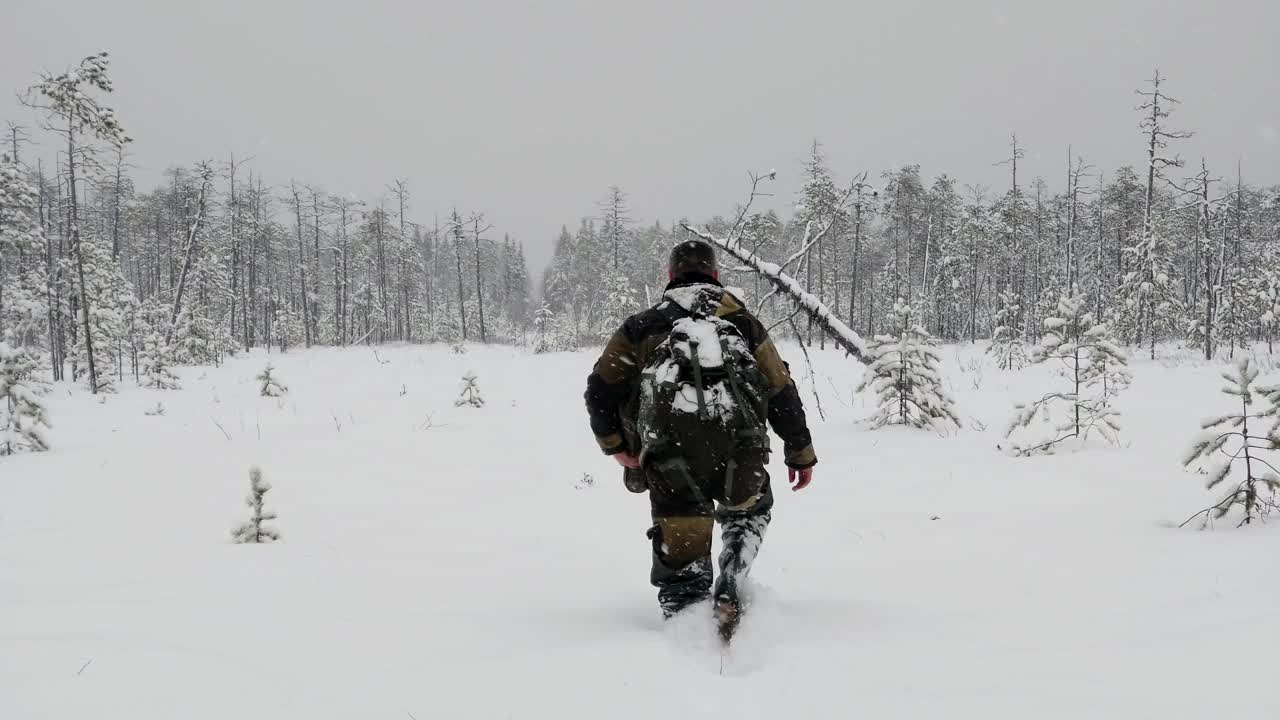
[446, 562]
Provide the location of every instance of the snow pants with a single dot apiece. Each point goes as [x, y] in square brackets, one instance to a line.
[687, 494]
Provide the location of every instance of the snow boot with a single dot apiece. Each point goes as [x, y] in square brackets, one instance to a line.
[741, 536]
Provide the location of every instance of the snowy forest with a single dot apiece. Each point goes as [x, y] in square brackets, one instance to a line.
[101, 276]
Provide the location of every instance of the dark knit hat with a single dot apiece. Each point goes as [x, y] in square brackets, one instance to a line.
[692, 257]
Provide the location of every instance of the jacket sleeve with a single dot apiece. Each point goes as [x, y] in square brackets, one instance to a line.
[786, 411]
[609, 388]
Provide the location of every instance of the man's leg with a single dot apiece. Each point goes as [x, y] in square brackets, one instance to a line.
[744, 516]
[681, 561]
[681, 535]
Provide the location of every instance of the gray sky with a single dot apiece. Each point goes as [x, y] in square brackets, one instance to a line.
[530, 110]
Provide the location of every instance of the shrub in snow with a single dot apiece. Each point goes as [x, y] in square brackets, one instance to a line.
[459, 348]
[903, 373]
[1094, 371]
[470, 394]
[23, 420]
[256, 529]
[156, 411]
[271, 385]
[1247, 439]
[154, 360]
[1005, 345]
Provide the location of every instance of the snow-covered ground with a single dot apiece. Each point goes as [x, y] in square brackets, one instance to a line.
[450, 562]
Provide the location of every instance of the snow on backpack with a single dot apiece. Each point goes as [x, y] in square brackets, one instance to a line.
[702, 384]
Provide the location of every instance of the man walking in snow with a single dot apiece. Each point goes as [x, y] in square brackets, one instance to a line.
[679, 397]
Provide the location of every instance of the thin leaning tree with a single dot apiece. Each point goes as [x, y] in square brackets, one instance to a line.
[776, 275]
[73, 112]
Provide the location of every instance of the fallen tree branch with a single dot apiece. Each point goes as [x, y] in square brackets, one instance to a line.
[822, 316]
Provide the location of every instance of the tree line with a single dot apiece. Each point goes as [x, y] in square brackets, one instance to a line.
[107, 279]
[217, 258]
[1164, 251]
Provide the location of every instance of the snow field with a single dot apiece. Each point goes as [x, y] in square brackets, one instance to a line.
[449, 562]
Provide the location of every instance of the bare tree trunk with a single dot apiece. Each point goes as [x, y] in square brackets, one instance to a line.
[193, 234]
[857, 252]
[1097, 310]
[457, 254]
[302, 267]
[74, 225]
[313, 299]
[479, 287]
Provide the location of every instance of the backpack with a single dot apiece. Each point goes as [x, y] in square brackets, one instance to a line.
[701, 390]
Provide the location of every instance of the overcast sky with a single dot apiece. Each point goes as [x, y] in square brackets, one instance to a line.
[530, 110]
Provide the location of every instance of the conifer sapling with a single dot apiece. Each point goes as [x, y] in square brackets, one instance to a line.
[903, 372]
[1246, 439]
[155, 360]
[256, 529]
[1094, 370]
[24, 423]
[1005, 345]
[271, 385]
[470, 394]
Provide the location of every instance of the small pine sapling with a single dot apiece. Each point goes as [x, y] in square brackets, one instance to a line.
[1095, 371]
[24, 422]
[271, 385]
[459, 348]
[470, 394]
[544, 327]
[1006, 347]
[1241, 436]
[155, 361]
[903, 372]
[256, 529]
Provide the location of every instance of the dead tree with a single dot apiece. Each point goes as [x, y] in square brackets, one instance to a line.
[456, 222]
[819, 314]
[302, 263]
[476, 232]
[193, 235]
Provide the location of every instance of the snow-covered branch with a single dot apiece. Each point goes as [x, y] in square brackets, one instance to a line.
[822, 316]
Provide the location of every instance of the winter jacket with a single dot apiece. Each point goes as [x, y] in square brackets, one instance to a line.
[613, 382]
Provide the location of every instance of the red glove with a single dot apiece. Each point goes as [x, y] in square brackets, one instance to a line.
[627, 460]
[799, 479]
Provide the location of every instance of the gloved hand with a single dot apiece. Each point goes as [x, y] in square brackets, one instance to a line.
[799, 479]
[627, 460]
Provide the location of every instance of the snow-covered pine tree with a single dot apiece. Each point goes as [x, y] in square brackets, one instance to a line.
[1006, 341]
[1247, 435]
[256, 529]
[1266, 297]
[618, 304]
[470, 394]
[1094, 370]
[903, 372]
[270, 384]
[287, 327]
[23, 303]
[23, 420]
[155, 359]
[545, 330]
